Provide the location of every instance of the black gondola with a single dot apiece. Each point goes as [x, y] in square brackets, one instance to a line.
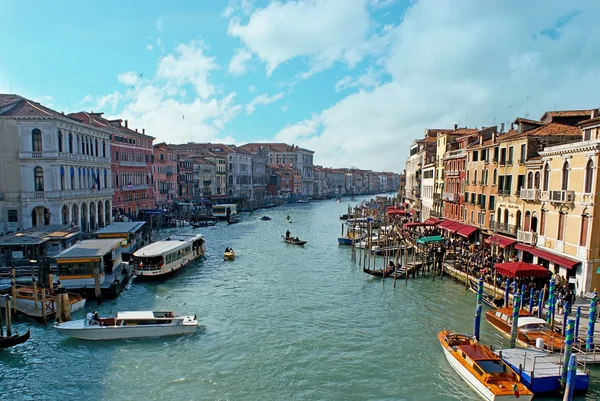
[400, 272]
[203, 223]
[293, 241]
[235, 220]
[6, 342]
[344, 217]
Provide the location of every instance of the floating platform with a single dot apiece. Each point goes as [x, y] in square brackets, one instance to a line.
[541, 371]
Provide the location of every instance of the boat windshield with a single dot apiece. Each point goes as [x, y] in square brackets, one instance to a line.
[535, 327]
[492, 366]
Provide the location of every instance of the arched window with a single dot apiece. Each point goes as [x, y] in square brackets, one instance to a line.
[36, 140]
[60, 141]
[486, 177]
[62, 178]
[72, 178]
[589, 175]
[38, 179]
[105, 179]
[565, 176]
[495, 176]
[468, 176]
[505, 216]
[546, 176]
[530, 180]
[536, 180]
[70, 142]
[475, 177]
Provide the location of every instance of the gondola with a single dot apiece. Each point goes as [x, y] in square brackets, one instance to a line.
[400, 272]
[344, 217]
[488, 299]
[204, 223]
[293, 241]
[235, 220]
[6, 342]
[265, 218]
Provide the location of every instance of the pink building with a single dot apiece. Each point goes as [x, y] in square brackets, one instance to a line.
[131, 163]
[165, 174]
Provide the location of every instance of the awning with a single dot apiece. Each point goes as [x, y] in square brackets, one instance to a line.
[454, 227]
[395, 212]
[416, 224]
[446, 223]
[551, 257]
[500, 241]
[429, 240]
[521, 269]
[433, 220]
[466, 230]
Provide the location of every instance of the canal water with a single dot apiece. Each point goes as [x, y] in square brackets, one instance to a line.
[281, 322]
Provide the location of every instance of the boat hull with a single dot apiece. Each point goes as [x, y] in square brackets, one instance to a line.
[98, 333]
[6, 342]
[229, 255]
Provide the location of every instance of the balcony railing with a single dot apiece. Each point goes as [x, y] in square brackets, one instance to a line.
[72, 193]
[561, 196]
[455, 153]
[504, 228]
[527, 237]
[481, 183]
[125, 163]
[437, 195]
[451, 197]
[532, 194]
[504, 192]
[133, 187]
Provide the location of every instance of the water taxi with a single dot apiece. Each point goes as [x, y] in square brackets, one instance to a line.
[136, 324]
[530, 328]
[484, 371]
[167, 256]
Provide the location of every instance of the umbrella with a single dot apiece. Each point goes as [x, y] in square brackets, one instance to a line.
[521, 269]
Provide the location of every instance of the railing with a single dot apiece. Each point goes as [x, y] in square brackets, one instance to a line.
[504, 228]
[453, 173]
[527, 237]
[455, 153]
[36, 155]
[532, 194]
[504, 192]
[125, 163]
[502, 162]
[76, 193]
[133, 187]
[451, 197]
[509, 162]
[436, 195]
[79, 156]
[561, 196]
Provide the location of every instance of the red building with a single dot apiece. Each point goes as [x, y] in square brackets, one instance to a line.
[131, 163]
[165, 174]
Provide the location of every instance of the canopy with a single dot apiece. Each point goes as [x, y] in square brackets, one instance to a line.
[424, 224]
[433, 220]
[521, 269]
[551, 257]
[466, 230]
[430, 240]
[448, 223]
[500, 241]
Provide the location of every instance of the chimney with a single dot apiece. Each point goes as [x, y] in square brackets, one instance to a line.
[501, 128]
[495, 134]
[455, 127]
[512, 126]
[126, 124]
[595, 113]
[136, 130]
[144, 131]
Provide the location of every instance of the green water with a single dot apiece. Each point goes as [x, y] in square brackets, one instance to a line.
[280, 322]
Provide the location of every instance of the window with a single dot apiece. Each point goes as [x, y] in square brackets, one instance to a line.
[584, 230]
[589, 173]
[546, 176]
[475, 178]
[503, 156]
[62, 178]
[60, 141]
[468, 177]
[495, 177]
[536, 181]
[523, 154]
[561, 227]
[530, 180]
[492, 202]
[72, 178]
[475, 156]
[565, 176]
[587, 134]
[13, 217]
[36, 140]
[70, 143]
[103, 148]
[38, 179]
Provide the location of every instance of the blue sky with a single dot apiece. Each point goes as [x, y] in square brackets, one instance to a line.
[355, 80]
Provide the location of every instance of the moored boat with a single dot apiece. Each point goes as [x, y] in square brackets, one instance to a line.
[135, 324]
[483, 370]
[529, 328]
[203, 223]
[11, 341]
[399, 272]
[353, 235]
[167, 256]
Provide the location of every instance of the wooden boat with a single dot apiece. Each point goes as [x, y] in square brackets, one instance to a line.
[265, 218]
[344, 216]
[293, 241]
[483, 370]
[6, 342]
[352, 236]
[234, 220]
[168, 256]
[400, 272]
[229, 255]
[136, 324]
[203, 223]
[529, 329]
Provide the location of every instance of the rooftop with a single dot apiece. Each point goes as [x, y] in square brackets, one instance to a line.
[550, 129]
[122, 227]
[92, 248]
[39, 235]
[160, 247]
[566, 113]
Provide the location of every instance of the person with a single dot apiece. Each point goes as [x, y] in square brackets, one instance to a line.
[391, 267]
[288, 217]
[287, 234]
[96, 318]
[227, 249]
[297, 239]
[569, 299]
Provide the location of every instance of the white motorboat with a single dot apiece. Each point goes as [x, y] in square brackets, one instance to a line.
[137, 324]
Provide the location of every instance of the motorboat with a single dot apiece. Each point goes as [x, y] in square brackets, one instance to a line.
[229, 255]
[353, 235]
[234, 220]
[134, 324]
[203, 223]
[293, 241]
[529, 328]
[265, 218]
[483, 370]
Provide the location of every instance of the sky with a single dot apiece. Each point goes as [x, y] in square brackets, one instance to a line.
[356, 81]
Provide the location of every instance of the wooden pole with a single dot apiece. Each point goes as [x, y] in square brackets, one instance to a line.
[58, 307]
[97, 291]
[14, 290]
[1, 329]
[35, 293]
[50, 284]
[44, 311]
[66, 307]
[8, 322]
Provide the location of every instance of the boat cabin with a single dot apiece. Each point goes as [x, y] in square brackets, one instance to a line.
[135, 318]
[224, 211]
[171, 251]
[131, 233]
[77, 265]
[27, 247]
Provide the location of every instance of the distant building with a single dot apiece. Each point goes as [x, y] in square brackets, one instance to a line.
[165, 174]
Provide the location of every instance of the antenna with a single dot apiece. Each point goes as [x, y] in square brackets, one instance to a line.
[526, 105]
[494, 115]
[509, 109]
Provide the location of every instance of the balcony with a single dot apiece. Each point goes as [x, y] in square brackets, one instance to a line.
[504, 192]
[132, 164]
[482, 183]
[133, 187]
[437, 195]
[504, 228]
[67, 194]
[481, 206]
[529, 194]
[453, 154]
[527, 237]
[450, 197]
[502, 162]
[453, 173]
[561, 196]
[80, 157]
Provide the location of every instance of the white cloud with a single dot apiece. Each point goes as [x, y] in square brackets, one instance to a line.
[450, 59]
[159, 44]
[188, 65]
[150, 47]
[252, 89]
[381, 3]
[237, 65]
[234, 6]
[100, 103]
[285, 107]
[128, 78]
[326, 31]
[159, 24]
[368, 80]
[262, 100]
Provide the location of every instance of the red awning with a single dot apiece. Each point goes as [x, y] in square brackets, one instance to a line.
[521, 269]
[551, 257]
[466, 230]
[499, 240]
[415, 224]
[433, 220]
[393, 212]
[455, 227]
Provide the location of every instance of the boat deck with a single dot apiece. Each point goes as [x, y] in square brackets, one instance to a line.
[541, 371]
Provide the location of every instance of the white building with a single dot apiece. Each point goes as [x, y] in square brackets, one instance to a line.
[53, 169]
[427, 190]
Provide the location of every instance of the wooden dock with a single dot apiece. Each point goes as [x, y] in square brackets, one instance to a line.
[25, 308]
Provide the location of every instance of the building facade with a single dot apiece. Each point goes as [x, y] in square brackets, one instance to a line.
[165, 175]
